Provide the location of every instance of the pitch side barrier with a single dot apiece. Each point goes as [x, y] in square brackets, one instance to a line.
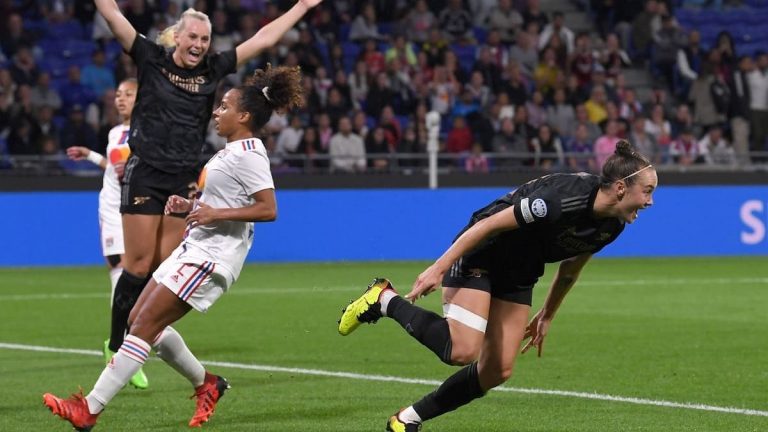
[61, 228]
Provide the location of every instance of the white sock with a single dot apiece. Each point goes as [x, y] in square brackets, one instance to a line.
[124, 364]
[409, 415]
[170, 347]
[114, 275]
[384, 299]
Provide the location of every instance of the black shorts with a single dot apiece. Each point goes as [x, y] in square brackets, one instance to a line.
[146, 189]
[500, 284]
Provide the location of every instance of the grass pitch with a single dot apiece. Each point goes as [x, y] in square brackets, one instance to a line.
[666, 333]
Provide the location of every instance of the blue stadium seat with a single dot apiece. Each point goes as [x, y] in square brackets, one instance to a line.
[404, 121]
[386, 28]
[66, 30]
[465, 54]
[480, 34]
[351, 50]
[344, 32]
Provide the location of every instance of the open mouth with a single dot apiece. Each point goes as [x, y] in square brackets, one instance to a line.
[194, 55]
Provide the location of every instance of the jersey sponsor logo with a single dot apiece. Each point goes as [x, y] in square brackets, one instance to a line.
[525, 209]
[140, 200]
[191, 84]
[476, 272]
[539, 207]
[109, 241]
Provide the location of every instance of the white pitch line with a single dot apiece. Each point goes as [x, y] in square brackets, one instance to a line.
[265, 290]
[403, 380]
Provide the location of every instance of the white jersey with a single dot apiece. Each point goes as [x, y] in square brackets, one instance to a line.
[228, 180]
[109, 196]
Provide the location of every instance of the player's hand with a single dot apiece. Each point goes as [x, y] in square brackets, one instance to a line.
[428, 281]
[203, 214]
[536, 330]
[177, 204]
[119, 169]
[77, 153]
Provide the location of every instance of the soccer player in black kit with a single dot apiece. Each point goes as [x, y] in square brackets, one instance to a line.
[489, 272]
[174, 103]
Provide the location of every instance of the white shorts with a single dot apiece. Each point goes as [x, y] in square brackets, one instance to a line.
[111, 235]
[197, 282]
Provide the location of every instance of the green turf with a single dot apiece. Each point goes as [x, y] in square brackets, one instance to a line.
[677, 330]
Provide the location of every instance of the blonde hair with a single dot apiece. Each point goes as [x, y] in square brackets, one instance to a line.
[166, 37]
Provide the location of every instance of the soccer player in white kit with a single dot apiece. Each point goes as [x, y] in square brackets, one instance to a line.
[236, 190]
[110, 220]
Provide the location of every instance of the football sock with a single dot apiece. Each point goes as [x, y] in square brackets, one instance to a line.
[384, 299]
[170, 347]
[409, 415]
[425, 326]
[127, 291]
[459, 389]
[114, 276]
[124, 364]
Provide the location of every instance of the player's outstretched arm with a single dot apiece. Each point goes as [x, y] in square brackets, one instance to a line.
[271, 33]
[121, 28]
[78, 153]
[430, 278]
[566, 277]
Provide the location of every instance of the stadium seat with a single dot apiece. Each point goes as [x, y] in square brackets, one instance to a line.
[66, 30]
[465, 54]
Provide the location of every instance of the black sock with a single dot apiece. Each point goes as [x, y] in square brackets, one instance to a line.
[426, 327]
[459, 389]
[127, 291]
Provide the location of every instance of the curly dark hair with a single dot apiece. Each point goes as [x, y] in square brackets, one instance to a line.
[270, 89]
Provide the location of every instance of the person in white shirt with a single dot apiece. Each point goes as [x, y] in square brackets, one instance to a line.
[236, 190]
[110, 221]
[346, 149]
[715, 149]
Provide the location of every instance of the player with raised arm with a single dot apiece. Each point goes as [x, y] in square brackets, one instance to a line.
[237, 190]
[489, 272]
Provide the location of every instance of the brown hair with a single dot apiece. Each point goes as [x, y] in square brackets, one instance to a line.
[623, 163]
[270, 89]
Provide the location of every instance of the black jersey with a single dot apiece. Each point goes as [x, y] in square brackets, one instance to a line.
[556, 222]
[173, 105]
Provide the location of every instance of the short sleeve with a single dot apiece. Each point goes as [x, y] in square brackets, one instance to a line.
[536, 208]
[143, 49]
[254, 174]
[223, 63]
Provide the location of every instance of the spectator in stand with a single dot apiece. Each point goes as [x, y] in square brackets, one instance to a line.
[642, 33]
[14, 36]
[22, 104]
[561, 115]
[365, 26]
[443, 90]
[380, 94]
[758, 105]
[683, 119]
[56, 11]
[487, 68]
[508, 146]
[715, 149]
[660, 129]
[459, 139]
[308, 147]
[644, 143]
[612, 113]
[346, 149]
[477, 162]
[465, 105]
[667, 41]
[372, 57]
[579, 149]
[418, 22]
[358, 84]
[506, 20]
[525, 54]
[479, 92]
[575, 94]
[629, 106]
[689, 61]
[73, 92]
[435, 46]
[596, 106]
[685, 150]
[738, 112]
[455, 22]
[606, 144]
[287, 143]
[324, 28]
[481, 11]
[582, 117]
[403, 50]
[393, 130]
[613, 57]
[306, 52]
[523, 129]
[44, 120]
[547, 149]
[76, 132]
[533, 14]
[583, 59]
[498, 51]
[141, 15]
[23, 68]
[23, 139]
[705, 110]
[548, 71]
[223, 38]
[557, 26]
[537, 112]
[323, 84]
[43, 94]
[377, 149]
[96, 76]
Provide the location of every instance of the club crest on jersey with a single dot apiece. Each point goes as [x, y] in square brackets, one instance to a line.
[539, 208]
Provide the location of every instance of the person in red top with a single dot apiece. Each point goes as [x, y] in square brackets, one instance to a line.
[459, 138]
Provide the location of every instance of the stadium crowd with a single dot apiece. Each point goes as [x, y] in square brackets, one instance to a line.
[515, 86]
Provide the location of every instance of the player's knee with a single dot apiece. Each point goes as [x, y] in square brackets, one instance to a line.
[495, 376]
[144, 328]
[463, 354]
[138, 264]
